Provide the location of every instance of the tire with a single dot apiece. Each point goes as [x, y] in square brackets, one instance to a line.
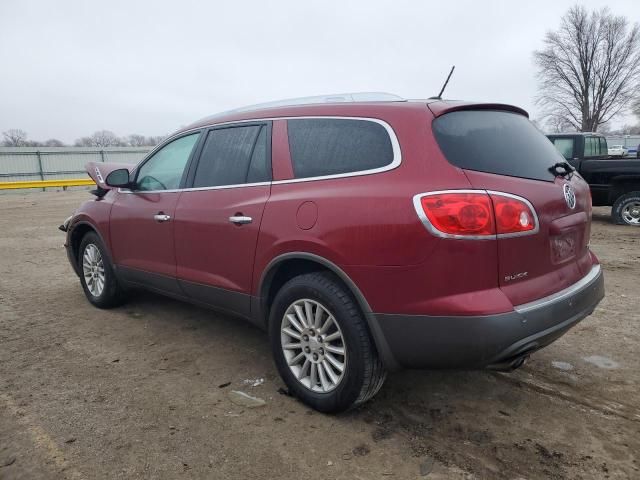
[93, 257]
[363, 373]
[626, 209]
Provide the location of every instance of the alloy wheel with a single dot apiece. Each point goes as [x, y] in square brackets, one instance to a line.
[93, 270]
[313, 345]
[631, 213]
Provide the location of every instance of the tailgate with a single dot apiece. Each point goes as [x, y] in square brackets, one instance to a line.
[502, 151]
[557, 256]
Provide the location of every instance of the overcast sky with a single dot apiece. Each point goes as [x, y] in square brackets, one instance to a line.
[70, 68]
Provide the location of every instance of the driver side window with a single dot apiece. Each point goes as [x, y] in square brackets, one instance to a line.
[163, 171]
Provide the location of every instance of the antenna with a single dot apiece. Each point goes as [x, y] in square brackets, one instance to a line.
[445, 83]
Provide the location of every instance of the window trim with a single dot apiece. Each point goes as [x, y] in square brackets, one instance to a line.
[395, 146]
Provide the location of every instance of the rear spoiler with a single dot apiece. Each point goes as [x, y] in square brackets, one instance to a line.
[99, 171]
[439, 108]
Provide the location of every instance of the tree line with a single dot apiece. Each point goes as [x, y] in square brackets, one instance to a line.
[16, 137]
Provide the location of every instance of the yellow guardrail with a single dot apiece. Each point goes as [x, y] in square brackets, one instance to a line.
[67, 182]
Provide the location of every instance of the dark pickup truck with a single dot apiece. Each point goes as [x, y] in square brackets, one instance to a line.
[614, 181]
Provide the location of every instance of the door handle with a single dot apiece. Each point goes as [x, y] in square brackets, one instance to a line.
[161, 217]
[240, 219]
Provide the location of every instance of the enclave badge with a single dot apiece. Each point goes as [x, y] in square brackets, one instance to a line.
[569, 195]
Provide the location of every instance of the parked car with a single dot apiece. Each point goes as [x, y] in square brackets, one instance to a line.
[617, 151]
[613, 182]
[363, 236]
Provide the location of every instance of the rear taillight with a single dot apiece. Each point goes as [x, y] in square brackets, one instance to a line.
[475, 214]
[513, 215]
[459, 213]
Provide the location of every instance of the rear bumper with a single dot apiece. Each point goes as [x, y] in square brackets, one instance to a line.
[421, 341]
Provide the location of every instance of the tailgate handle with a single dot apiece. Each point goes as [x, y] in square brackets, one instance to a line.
[559, 225]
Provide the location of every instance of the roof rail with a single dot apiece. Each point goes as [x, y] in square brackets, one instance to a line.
[333, 98]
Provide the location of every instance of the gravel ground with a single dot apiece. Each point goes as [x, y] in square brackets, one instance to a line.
[142, 391]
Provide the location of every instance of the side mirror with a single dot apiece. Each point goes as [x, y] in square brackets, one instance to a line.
[118, 178]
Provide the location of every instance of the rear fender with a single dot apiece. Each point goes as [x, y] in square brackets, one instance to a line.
[258, 308]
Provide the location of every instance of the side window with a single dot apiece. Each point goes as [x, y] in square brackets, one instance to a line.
[590, 148]
[603, 147]
[322, 147]
[233, 156]
[564, 146]
[163, 171]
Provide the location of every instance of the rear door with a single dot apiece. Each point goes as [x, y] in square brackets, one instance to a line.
[218, 218]
[502, 151]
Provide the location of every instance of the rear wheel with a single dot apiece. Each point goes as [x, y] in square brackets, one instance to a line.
[626, 209]
[321, 344]
[96, 273]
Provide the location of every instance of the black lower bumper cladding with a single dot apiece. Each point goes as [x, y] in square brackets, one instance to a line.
[494, 341]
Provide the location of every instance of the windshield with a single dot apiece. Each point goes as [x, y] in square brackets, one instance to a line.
[497, 142]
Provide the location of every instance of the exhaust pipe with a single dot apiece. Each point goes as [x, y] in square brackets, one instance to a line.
[510, 365]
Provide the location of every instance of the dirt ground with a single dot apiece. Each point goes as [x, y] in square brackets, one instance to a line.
[138, 392]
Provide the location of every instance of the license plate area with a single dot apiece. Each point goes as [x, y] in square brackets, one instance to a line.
[564, 247]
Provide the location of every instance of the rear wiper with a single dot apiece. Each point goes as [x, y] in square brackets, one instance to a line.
[562, 169]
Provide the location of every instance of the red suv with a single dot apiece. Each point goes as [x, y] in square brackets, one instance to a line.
[365, 236]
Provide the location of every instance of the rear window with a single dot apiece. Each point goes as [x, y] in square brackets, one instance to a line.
[334, 146]
[497, 142]
[564, 146]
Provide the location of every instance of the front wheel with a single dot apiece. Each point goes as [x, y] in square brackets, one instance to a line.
[97, 277]
[626, 209]
[321, 344]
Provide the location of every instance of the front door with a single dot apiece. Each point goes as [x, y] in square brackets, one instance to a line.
[217, 221]
[142, 219]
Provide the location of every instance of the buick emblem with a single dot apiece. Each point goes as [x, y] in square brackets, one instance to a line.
[569, 195]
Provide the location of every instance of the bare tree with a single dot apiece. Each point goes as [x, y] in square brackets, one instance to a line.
[53, 142]
[627, 130]
[83, 142]
[589, 69]
[153, 141]
[557, 124]
[14, 138]
[636, 109]
[605, 129]
[101, 138]
[105, 138]
[135, 140]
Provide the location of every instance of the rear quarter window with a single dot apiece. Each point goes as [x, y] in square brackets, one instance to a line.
[497, 142]
[332, 146]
